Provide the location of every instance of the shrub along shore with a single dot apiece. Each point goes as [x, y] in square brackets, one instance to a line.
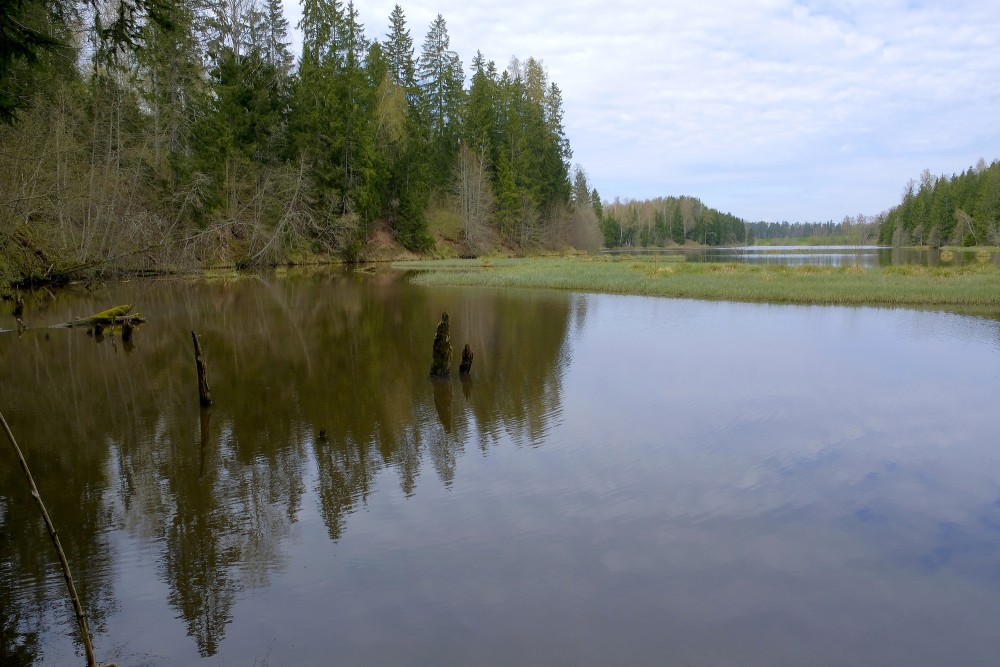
[970, 286]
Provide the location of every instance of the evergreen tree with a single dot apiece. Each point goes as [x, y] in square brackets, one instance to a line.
[961, 209]
[441, 80]
[677, 225]
[399, 52]
[481, 127]
[171, 72]
[402, 138]
[276, 43]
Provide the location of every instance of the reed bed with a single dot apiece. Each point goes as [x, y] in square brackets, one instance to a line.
[975, 285]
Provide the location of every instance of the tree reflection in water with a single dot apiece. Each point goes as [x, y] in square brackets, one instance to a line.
[118, 443]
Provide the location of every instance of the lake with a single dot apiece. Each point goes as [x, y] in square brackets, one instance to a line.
[622, 480]
[829, 255]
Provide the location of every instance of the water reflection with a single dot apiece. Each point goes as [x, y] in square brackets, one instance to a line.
[831, 256]
[620, 481]
[118, 443]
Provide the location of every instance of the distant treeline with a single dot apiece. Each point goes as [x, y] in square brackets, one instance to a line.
[792, 230]
[179, 133]
[668, 220]
[961, 210]
[859, 229]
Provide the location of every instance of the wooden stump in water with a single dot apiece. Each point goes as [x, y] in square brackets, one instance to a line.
[204, 393]
[441, 363]
[466, 366]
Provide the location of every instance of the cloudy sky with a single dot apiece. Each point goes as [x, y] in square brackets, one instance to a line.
[768, 109]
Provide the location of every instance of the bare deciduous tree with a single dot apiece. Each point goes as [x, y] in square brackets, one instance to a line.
[474, 196]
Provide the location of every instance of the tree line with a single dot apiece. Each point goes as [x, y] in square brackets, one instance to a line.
[150, 134]
[668, 220]
[962, 210]
[859, 229]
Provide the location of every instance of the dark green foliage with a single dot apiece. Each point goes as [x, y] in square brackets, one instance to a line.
[37, 37]
[442, 100]
[961, 210]
[26, 37]
[190, 117]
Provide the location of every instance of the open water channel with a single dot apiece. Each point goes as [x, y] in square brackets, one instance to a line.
[622, 480]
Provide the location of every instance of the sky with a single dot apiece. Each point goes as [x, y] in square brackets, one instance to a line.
[767, 109]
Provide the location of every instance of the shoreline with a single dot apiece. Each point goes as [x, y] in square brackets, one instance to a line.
[976, 286]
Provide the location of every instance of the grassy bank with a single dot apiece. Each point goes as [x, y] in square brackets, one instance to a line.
[968, 286]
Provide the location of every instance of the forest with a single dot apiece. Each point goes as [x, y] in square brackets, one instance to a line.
[145, 136]
[961, 210]
[857, 230]
[667, 220]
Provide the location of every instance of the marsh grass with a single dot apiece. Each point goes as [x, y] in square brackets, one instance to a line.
[911, 285]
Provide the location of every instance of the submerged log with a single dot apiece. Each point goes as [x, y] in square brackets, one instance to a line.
[441, 363]
[466, 366]
[204, 393]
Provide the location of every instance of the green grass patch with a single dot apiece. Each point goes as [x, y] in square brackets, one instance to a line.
[976, 285]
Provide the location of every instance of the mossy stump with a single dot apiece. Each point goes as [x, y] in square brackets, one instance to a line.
[441, 362]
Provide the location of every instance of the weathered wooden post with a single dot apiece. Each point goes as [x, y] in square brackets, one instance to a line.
[204, 393]
[466, 366]
[441, 363]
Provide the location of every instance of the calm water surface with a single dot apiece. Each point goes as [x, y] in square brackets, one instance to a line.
[833, 255]
[624, 480]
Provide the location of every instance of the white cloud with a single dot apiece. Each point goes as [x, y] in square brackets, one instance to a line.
[775, 110]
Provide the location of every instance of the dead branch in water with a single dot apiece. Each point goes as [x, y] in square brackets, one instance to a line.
[81, 617]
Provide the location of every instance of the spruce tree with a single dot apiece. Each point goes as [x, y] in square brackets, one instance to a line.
[441, 81]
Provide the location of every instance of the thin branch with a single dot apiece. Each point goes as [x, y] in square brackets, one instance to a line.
[81, 618]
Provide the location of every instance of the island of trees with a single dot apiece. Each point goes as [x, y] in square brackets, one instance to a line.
[148, 136]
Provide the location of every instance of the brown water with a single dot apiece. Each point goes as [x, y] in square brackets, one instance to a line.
[623, 480]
